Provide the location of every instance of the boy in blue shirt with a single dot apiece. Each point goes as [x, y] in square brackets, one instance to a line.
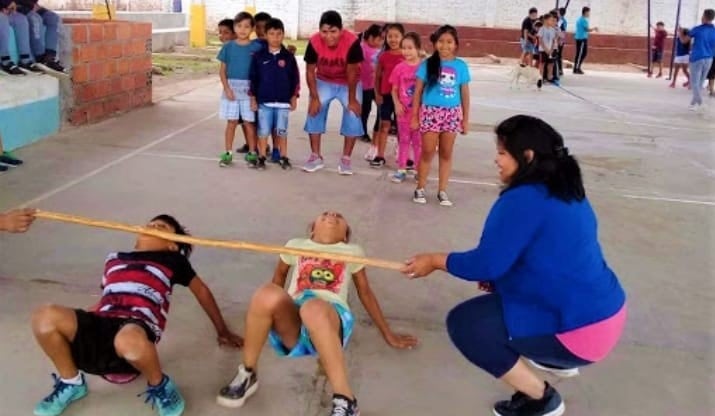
[581, 37]
[701, 56]
[275, 82]
[235, 60]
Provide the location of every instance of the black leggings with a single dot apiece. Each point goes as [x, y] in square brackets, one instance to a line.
[368, 98]
[477, 329]
[581, 53]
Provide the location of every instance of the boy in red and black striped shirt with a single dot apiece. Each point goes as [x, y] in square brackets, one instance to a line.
[118, 336]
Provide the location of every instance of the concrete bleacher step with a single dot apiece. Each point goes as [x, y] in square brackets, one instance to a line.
[29, 109]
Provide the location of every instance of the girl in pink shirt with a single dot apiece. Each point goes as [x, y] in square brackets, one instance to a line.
[386, 63]
[371, 45]
[403, 80]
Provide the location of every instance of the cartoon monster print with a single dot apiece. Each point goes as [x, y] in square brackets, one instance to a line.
[320, 275]
[448, 82]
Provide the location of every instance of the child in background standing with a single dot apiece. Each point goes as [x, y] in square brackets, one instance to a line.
[548, 45]
[235, 60]
[371, 45]
[386, 63]
[403, 81]
[440, 109]
[225, 31]
[658, 47]
[682, 57]
[275, 82]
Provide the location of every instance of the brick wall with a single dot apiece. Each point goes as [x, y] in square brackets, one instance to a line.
[110, 68]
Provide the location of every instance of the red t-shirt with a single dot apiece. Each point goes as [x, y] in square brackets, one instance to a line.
[387, 62]
[332, 62]
[659, 41]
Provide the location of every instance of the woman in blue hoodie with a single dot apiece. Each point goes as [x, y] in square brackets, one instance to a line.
[554, 301]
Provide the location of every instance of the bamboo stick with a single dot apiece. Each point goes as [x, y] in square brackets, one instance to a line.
[234, 244]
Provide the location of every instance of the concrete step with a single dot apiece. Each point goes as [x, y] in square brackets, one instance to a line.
[159, 20]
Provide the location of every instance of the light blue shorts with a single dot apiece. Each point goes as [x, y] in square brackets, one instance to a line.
[304, 347]
[239, 109]
[272, 119]
[526, 46]
[351, 125]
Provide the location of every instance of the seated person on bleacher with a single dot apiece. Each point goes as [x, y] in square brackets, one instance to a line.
[9, 17]
[44, 47]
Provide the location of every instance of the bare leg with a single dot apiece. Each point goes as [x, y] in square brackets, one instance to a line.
[349, 145]
[687, 74]
[446, 145]
[54, 328]
[315, 143]
[429, 148]
[675, 76]
[132, 344]
[271, 307]
[381, 138]
[230, 134]
[249, 131]
[282, 144]
[323, 325]
[262, 144]
[523, 379]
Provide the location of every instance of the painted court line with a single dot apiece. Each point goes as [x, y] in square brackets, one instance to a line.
[377, 173]
[115, 162]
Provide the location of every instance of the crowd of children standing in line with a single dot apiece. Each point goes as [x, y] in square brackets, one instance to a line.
[428, 99]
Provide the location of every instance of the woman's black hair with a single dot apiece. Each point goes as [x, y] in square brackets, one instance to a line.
[332, 19]
[551, 164]
[415, 38]
[374, 31]
[227, 23]
[434, 63]
[244, 16]
[185, 249]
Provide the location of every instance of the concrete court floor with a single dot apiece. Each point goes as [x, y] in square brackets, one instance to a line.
[649, 165]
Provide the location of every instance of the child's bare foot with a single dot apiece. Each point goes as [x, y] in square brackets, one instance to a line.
[672, 85]
[686, 84]
[660, 75]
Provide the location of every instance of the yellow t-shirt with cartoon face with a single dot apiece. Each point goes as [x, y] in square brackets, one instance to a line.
[329, 280]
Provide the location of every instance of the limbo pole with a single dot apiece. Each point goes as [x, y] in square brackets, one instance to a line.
[675, 39]
[648, 46]
[236, 245]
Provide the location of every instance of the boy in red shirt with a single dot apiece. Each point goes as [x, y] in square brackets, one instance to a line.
[658, 47]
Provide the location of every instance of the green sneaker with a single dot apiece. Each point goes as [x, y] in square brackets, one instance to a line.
[252, 159]
[226, 159]
[165, 398]
[62, 395]
[9, 159]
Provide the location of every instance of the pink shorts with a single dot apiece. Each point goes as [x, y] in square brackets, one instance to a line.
[441, 119]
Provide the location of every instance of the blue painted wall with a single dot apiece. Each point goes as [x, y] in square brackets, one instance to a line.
[29, 109]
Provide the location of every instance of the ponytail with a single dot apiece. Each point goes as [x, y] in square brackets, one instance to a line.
[434, 63]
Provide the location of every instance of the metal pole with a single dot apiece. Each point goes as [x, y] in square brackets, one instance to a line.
[557, 5]
[675, 39]
[648, 46]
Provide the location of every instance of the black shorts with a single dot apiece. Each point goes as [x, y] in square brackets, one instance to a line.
[657, 55]
[711, 72]
[546, 58]
[93, 345]
[387, 108]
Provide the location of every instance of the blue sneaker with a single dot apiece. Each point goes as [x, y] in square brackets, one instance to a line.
[399, 176]
[165, 398]
[62, 395]
[275, 156]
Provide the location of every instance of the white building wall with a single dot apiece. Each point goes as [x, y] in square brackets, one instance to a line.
[301, 16]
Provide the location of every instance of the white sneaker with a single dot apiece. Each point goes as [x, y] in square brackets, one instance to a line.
[444, 199]
[694, 107]
[243, 386]
[371, 153]
[558, 372]
[419, 196]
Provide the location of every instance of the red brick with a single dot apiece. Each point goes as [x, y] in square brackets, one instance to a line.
[123, 66]
[87, 53]
[141, 80]
[96, 32]
[116, 86]
[127, 83]
[115, 50]
[110, 31]
[80, 73]
[78, 116]
[96, 71]
[79, 34]
[95, 111]
[110, 68]
[124, 30]
[139, 46]
[141, 30]
[84, 94]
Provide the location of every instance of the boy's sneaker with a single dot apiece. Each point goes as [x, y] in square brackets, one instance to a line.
[243, 385]
[251, 159]
[522, 405]
[377, 162]
[444, 199]
[393, 130]
[558, 372]
[165, 398]
[275, 156]
[53, 65]
[345, 167]
[9, 159]
[3, 168]
[399, 176]
[314, 163]
[410, 165]
[556, 82]
[261, 163]
[342, 406]
[30, 68]
[243, 149]
[12, 69]
[419, 197]
[226, 159]
[539, 84]
[285, 163]
[578, 72]
[62, 395]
